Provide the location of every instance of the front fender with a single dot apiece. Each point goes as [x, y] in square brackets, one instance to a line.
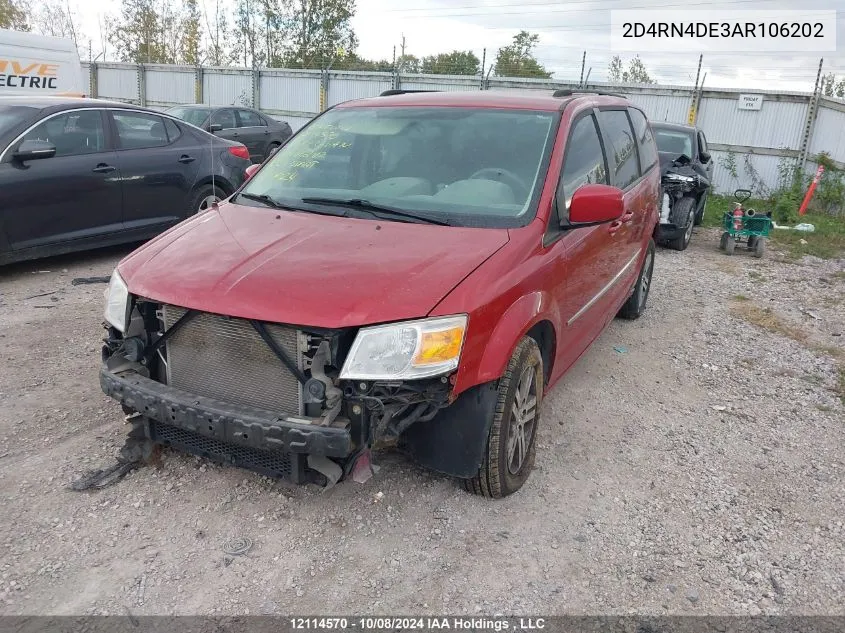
[518, 319]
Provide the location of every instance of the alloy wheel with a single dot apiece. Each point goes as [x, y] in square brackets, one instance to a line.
[523, 420]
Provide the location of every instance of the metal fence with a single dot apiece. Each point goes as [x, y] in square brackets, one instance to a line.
[751, 147]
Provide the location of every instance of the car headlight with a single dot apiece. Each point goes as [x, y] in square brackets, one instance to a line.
[679, 178]
[406, 350]
[116, 312]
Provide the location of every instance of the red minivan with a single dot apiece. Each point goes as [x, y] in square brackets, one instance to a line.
[415, 269]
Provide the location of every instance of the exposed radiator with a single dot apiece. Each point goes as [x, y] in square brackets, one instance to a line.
[225, 358]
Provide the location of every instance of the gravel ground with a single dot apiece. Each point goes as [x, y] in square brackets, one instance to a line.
[690, 463]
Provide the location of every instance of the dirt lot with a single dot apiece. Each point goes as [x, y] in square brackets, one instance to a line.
[692, 462]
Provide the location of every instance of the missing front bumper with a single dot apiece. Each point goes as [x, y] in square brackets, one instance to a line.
[246, 437]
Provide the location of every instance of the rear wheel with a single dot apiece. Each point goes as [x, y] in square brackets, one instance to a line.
[635, 305]
[684, 210]
[271, 149]
[204, 197]
[702, 204]
[509, 454]
[730, 245]
[759, 247]
[724, 240]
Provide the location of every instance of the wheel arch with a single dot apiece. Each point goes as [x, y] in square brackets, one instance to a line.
[533, 315]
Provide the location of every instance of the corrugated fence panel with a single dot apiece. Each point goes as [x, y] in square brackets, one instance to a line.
[439, 82]
[345, 87]
[86, 79]
[778, 124]
[295, 122]
[119, 83]
[227, 87]
[829, 133]
[290, 91]
[170, 86]
[750, 169]
[671, 108]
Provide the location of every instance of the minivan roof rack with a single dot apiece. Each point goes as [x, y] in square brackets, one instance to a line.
[567, 92]
[390, 93]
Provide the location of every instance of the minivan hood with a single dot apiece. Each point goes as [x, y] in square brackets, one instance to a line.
[306, 269]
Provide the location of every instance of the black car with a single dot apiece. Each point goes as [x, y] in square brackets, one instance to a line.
[81, 173]
[675, 140]
[259, 132]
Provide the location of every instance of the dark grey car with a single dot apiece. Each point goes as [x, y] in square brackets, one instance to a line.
[82, 173]
[675, 139]
[260, 133]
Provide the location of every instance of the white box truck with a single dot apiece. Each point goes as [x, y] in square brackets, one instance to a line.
[39, 65]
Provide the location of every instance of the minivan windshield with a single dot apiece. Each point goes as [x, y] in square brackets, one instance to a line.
[194, 116]
[455, 165]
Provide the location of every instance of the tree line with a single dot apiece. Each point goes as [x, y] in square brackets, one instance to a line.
[253, 33]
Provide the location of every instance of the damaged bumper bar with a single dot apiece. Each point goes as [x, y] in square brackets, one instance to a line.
[243, 436]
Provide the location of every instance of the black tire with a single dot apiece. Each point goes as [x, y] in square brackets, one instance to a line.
[724, 240]
[202, 196]
[502, 473]
[759, 247]
[684, 209]
[702, 204]
[272, 147]
[752, 241]
[636, 303]
[730, 245]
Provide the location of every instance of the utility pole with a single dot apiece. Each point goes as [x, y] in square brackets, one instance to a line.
[811, 117]
[483, 64]
[583, 61]
[693, 104]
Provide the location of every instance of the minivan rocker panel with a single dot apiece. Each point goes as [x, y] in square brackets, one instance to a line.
[338, 272]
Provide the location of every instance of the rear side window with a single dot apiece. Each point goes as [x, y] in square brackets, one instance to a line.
[645, 139]
[620, 146]
[137, 130]
[173, 131]
[225, 118]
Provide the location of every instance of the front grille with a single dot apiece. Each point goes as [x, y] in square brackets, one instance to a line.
[226, 359]
[272, 464]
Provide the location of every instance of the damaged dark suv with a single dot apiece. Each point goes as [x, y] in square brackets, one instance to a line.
[413, 269]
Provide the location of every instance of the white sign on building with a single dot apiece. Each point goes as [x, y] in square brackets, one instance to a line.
[750, 102]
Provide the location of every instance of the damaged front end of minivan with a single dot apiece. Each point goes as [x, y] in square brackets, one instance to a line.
[288, 401]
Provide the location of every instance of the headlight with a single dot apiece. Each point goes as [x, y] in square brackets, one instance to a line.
[117, 302]
[679, 178]
[412, 349]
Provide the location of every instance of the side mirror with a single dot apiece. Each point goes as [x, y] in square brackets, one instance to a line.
[704, 156]
[32, 150]
[595, 204]
[249, 172]
[214, 128]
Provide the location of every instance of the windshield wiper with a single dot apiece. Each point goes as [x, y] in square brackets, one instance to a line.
[269, 201]
[376, 209]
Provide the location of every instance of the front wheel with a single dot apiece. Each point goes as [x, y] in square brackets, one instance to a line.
[685, 209]
[702, 204]
[509, 454]
[635, 305]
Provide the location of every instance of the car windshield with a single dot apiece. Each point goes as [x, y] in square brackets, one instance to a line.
[194, 116]
[12, 116]
[463, 166]
[674, 142]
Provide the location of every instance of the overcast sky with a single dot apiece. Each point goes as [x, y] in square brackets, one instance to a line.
[566, 29]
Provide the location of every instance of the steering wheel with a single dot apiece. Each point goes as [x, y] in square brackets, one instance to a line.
[520, 190]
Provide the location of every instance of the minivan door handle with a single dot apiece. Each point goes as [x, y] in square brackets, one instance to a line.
[102, 168]
[185, 159]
